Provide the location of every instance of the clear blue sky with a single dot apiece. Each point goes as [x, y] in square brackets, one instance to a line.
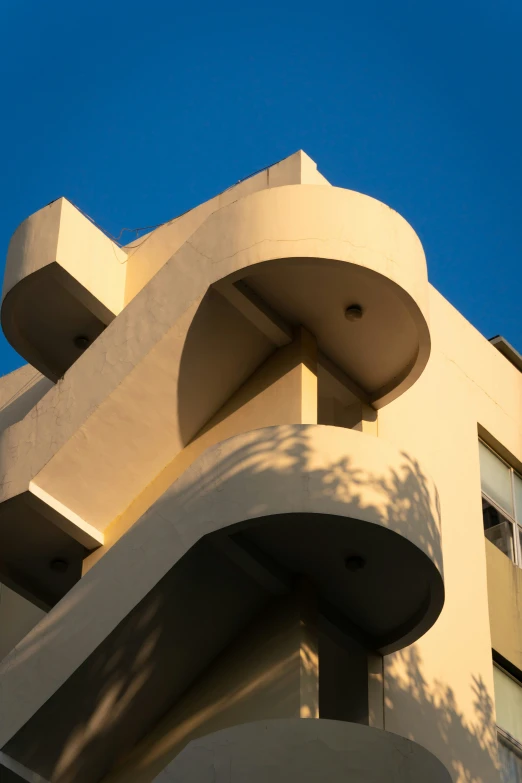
[137, 111]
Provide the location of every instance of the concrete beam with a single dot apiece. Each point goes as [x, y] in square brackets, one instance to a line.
[71, 523]
[254, 562]
[19, 771]
[341, 379]
[277, 581]
[258, 312]
[275, 328]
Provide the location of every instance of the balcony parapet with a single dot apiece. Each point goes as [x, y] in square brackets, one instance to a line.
[329, 493]
[298, 751]
[294, 254]
[310, 498]
[310, 252]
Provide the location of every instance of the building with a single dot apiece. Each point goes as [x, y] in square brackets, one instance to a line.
[242, 531]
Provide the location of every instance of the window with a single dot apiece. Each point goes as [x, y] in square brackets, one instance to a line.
[501, 504]
[508, 699]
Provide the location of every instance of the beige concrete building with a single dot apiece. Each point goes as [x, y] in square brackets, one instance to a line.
[260, 502]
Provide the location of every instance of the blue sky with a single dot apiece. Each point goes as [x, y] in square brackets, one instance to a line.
[138, 111]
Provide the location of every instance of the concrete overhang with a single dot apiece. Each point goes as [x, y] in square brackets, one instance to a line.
[64, 283]
[301, 253]
[294, 750]
[244, 518]
[42, 544]
[65, 279]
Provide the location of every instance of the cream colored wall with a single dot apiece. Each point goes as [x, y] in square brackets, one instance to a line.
[505, 605]
[440, 691]
[270, 671]
[282, 391]
[20, 391]
[83, 431]
[142, 411]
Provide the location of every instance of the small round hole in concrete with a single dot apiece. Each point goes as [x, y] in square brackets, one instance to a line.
[82, 342]
[354, 563]
[353, 313]
[59, 565]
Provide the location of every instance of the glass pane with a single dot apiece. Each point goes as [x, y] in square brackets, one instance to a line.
[518, 496]
[508, 702]
[496, 479]
[510, 764]
[498, 529]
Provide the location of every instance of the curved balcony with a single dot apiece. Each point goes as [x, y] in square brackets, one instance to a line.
[345, 266]
[64, 283]
[304, 751]
[221, 544]
[347, 510]
[175, 355]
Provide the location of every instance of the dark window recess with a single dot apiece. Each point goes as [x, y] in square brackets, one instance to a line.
[497, 528]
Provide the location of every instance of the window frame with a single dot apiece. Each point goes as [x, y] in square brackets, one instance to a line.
[504, 737]
[516, 524]
[513, 748]
[509, 742]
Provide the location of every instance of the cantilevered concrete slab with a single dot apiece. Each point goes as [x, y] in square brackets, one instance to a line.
[183, 346]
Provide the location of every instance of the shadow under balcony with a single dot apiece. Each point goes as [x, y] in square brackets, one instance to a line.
[252, 515]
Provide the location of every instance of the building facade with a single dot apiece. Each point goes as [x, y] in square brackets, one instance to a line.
[260, 503]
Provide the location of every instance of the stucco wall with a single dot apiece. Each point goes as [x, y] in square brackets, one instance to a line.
[282, 391]
[440, 690]
[20, 391]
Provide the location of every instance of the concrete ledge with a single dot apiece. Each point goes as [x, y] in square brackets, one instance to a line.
[64, 278]
[85, 430]
[304, 751]
[295, 470]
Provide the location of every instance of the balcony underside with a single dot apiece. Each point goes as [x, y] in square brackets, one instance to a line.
[38, 559]
[234, 532]
[50, 319]
[168, 362]
[381, 354]
[65, 279]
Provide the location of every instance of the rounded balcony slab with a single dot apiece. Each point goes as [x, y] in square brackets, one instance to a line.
[64, 283]
[304, 751]
[246, 517]
[305, 255]
[346, 509]
[308, 252]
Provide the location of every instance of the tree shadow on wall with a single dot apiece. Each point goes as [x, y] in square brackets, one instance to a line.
[126, 684]
[464, 738]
